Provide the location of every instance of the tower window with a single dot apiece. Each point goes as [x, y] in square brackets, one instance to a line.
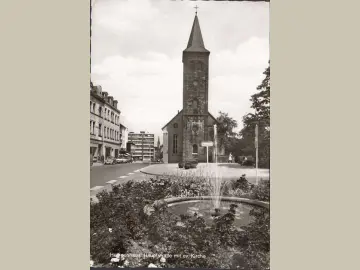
[195, 149]
[175, 125]
[175, 141]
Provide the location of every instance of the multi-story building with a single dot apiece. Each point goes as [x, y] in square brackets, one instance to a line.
[104, 124]
[123, 136]
[142, 145]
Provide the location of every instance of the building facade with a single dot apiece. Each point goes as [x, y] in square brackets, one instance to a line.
[104, 124]
[123, 136]
[183, 135]
[142, 145]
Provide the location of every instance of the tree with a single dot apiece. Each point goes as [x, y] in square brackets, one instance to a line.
[261, 104]
[226, 135]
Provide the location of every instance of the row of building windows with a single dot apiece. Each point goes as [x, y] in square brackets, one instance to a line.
[142, 142]
[106, 114]
[107, 132]
[195, 149]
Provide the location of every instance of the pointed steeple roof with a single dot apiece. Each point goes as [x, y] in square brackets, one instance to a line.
[196, 43]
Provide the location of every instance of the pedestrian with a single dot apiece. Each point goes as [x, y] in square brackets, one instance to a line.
[230, 158]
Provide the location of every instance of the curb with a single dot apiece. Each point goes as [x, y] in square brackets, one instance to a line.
[175, 200]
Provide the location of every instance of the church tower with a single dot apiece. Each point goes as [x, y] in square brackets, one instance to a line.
[195, 113]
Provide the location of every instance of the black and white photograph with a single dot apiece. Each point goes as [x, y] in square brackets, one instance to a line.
[180, 134]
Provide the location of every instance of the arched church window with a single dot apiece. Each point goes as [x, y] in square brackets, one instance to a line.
[175, 125]
[195, 103]
[175, 143]
[195, 149]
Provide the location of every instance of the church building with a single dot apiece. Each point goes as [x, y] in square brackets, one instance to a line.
[183, 134]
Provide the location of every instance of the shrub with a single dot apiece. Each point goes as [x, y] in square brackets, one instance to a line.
[118, 224]
[242, 184]
[261, 192]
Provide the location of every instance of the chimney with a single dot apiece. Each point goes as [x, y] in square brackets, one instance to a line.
[105, 94]
[98, 89]
[115, 103]
[110, 100]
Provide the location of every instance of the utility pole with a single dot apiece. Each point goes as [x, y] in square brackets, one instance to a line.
[215, 143]
[257, 150]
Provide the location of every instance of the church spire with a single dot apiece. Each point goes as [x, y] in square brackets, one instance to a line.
[196, 43]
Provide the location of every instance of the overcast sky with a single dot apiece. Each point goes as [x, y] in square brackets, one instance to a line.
[137, 48]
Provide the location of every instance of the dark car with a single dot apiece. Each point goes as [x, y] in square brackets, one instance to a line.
[181, 164]
[248, 162]
[191, 164]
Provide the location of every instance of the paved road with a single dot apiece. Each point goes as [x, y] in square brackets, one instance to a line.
[104, 177]
[100, 175]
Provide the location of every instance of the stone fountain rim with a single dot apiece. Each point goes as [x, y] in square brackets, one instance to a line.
[173, 200]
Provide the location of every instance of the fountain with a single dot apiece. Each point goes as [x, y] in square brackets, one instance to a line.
[215, 182]
[213, 206]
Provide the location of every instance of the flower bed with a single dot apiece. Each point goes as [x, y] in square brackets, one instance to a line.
[124, 235]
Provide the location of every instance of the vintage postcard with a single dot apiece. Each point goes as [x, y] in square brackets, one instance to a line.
[180, 134]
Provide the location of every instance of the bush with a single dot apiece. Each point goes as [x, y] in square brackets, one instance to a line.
[242, 184]
[264, 163]
[261, 192]
[119, 224]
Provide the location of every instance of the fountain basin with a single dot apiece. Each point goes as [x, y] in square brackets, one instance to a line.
[202, 206]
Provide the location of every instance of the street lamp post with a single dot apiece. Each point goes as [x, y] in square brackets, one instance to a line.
[215, 143]
[257, 150]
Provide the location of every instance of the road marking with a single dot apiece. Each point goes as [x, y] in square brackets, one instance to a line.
[111, 181]
[122, 176]
[96, 188]
[130, 173]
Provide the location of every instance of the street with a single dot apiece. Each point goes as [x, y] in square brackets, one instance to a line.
[106, 175]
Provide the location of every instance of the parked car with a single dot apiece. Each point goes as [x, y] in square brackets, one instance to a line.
[110, 161]
[121, 160]
[181, 164]
[95, 159]
[248, 162]
[129, 160]
[191, 164]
